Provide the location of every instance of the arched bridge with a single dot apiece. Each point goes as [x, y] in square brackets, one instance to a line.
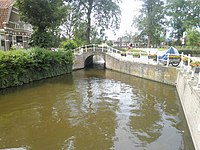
[84, 55]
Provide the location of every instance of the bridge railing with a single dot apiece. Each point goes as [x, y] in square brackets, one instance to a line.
[108, 49]
[95, 47]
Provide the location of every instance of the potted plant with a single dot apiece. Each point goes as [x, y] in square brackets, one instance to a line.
[123, 53]
[195, 66]
[174, 58]
[152, 56]
[136, 55]
[185, 60]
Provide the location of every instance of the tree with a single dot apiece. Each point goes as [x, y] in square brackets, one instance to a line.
[44, 15]
[177, 12]
[193, 37]
[193, 13]
[150, 21]
[106, 14]
[183, 14]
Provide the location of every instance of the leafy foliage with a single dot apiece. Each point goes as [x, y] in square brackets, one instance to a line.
[105, 13]
[23, 66]
[193, 37]
[41, 39]
[183, 14]
[192, 52]
[150, 21]
[69, 45]
[44, 16]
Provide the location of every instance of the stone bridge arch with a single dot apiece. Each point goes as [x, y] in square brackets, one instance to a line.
[81, 61]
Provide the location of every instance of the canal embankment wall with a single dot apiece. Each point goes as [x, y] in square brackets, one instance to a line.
[189, 95]
[163, 74]
[187, 91]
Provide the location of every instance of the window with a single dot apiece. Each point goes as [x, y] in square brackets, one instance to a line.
[2, 42]
[19, 39]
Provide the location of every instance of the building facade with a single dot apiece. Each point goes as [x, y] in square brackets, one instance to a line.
[13, 32]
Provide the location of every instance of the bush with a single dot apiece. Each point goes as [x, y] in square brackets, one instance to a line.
[192, 52]
[41, 39]
[23, 66]
[69, 45]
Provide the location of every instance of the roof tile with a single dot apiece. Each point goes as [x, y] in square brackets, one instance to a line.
[4, 9]
[5, 3]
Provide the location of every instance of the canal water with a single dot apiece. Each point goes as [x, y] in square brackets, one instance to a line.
[93, 109]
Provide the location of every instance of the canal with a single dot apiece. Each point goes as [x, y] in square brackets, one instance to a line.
[93, 109]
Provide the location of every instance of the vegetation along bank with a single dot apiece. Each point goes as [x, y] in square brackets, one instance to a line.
[23, 66]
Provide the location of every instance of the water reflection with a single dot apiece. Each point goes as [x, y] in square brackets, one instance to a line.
[146, 121]
[93, 109]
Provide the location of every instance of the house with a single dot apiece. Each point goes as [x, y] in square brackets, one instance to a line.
[12, 30]
[121, 43]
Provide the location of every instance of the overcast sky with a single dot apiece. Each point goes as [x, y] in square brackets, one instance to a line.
[128, 9]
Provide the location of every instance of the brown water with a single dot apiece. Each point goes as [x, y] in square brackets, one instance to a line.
[93, 110]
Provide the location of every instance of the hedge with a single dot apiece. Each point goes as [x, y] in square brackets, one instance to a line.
[192, 52]
[24, 66]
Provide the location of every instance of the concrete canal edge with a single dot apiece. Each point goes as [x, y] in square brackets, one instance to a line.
[167, 75]
[189, 96]
[187, 89]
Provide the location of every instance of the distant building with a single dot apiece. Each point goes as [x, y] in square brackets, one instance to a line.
[12, 30]
[121, 43]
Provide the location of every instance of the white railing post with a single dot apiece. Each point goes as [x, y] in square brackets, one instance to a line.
[148, 57]
[102, 47]
[188, 66]
[168, 60]
[140, 57]
[189, 57]
[79, 49]
[182, 59]
[157, 59]
[86, 48]
[192, 76]
[198, 84]
[93, 47]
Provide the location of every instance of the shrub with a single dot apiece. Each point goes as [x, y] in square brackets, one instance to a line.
[195, 63]
[69, 45]
[192, 52]
[23, 66]
[41, 39]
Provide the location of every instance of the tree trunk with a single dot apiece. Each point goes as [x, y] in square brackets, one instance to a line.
[88, 32]
[88, 29]
[148, 41]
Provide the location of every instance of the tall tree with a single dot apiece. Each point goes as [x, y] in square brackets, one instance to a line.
[150, 21]
[44, 16]
[193, 13]
[177, 13]
[104, 14]
[183, 14]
